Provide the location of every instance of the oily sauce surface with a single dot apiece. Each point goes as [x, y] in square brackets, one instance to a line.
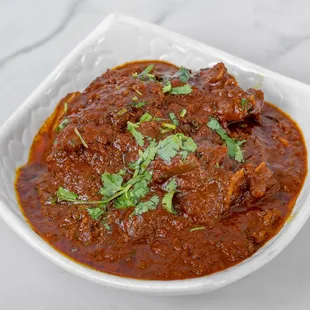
[225, 209]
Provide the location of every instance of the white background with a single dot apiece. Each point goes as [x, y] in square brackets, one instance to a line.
[36, 34]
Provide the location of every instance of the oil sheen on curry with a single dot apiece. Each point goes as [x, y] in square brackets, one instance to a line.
[157, 172]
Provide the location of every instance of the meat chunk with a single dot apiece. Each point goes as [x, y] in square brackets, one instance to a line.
[262, 223]
[237, 181]
[261, 180]
[225, 98]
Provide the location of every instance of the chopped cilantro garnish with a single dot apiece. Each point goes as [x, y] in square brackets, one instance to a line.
[112, 183]
[139, 104]
[170, 146]
[183, 74]
[244, 103]
[145, 74]
[122, 111]
[233, 146]
[122, 172]
[64, 194]
[95, 213]
[62, 125]
[173, 118]
[146, 117]
[145, 158]
[168, 126]
[167, 199]
[181, 90]
[146, 206]
[183, 113]
[81, 138]
[167, 87]
[132, 127]
[197, 228]
[106, 225]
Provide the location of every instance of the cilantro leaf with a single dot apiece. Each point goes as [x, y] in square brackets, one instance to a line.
[170, 146]
[139, 104]
[64, 194]
[112, 183]
[122, 111]
[181, 90]
[233, 146]
[145, 158]
[62, 125]
[244, 103]
[167, 199]
[139, 190]
[172, 185]
[132, 127]
[146, 117]
[145, 74]
[106, 226]
[95, 213]
[173, 118]
[167, 87]
[146, 206]
[183, 113]
[183, 74]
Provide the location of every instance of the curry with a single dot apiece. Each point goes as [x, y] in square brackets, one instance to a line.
[156, 172]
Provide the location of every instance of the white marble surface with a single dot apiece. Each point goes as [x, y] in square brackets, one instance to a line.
[36, 34]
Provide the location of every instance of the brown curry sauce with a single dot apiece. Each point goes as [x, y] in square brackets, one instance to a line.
[236, 206]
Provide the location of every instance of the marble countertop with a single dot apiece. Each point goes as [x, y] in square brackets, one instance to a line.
[35, 35]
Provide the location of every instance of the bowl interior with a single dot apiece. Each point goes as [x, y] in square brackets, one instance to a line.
[106, 47]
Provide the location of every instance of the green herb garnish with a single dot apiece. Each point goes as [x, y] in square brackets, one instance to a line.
[167, 199]
[95, 213]
[183, 74]
[146, 117]
[106, 226]
[146, 206]
[81, 138]
[183, 113]
[64, 194]
[170, 146]
[244, 104]
[233, 146]
[167, 87]
[181, 90]
[173, 118]
[62, 125]
[145, 74]
[112, 183]
[139, 104]
[122, 111]
[132, 128]
[197, 228]
[168, 126]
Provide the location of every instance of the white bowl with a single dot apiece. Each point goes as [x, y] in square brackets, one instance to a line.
[120, 38]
